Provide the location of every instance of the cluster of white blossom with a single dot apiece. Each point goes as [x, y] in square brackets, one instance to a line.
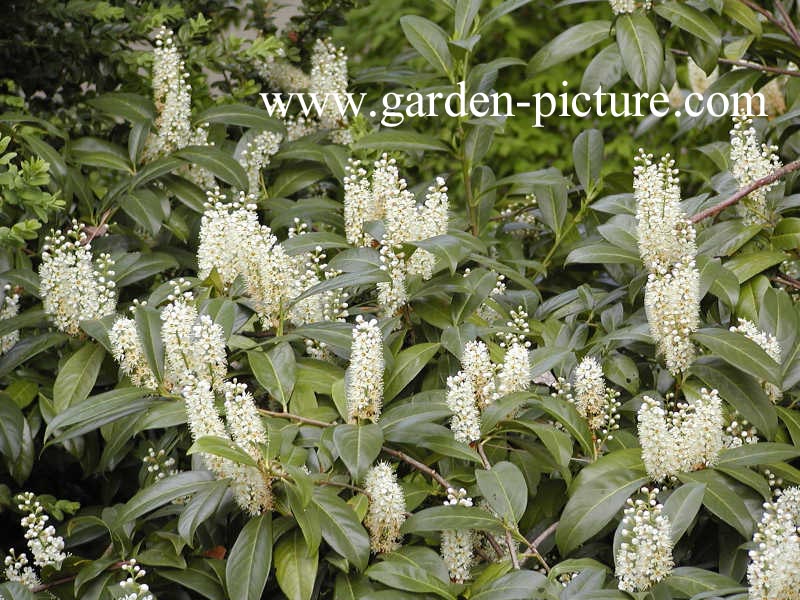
[387, 508]
[645, 554]
[667, 246]
[9, 307]
[159, 464]
[73, 287]
[128, 351]
[282, 74]
[518, 326]
[768, 343]
[134, 590]
[384, 195]
[256, 155]
[233, 242]
[774, 569]
[172, 95]
[480, 382]
[628, 6]
[751, 161]
[593, 399]
[364, 376]
[457, 553]
[521, 219]
[45, 546]
[739, 432]
[327, 80]
[457, 545]
[686, 438]
[486, 311]
[195, 367]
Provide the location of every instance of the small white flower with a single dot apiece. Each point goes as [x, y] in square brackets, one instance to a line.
[769, 343]
[126, 346]
[514, 374]
[257, 155]
[133, 588]
[460, 399]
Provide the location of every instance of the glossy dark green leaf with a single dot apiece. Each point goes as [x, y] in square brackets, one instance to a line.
[295, 566]
[275, 371]
[358, 446]
[641, 50]
[248, 564]
[77, 377]
[504, 488]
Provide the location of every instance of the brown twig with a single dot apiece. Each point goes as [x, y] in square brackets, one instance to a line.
[792, 30]
[769, 16]
[419, 466]
[786, 280]
[745, 191]
[56, 582]
[533, 547]
[747, 64]
[292, 417]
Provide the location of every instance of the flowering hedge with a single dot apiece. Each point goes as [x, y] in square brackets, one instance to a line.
[248, 357]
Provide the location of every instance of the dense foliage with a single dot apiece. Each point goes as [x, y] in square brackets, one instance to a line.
[244, 356]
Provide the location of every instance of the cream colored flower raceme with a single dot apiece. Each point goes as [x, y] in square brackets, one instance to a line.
[461, 401]
[668, 249]
[774, 569]
[387, 508]
[621, 7]
[256, 156]
[75, 287]
[457, 553]
[364, 376]
[751, 161]
[644, 556]
[683, 439]
[133, 588]
[9, 307]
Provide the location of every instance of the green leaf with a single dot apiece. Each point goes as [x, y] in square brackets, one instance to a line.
[602, 253]
[13, 590]
[466, 11]
[745, 16]
[95, 412]
[692, 20]
[342, 529]
[451, 248]
[148, 328]
[77, 377]
[740, 352]
[241, 115]
[500, 10]
[217, 162]
[517, 585]
[203, 505]
[745, 266]
[408, 577]
[96, 152]
[199, 578]
[358, 446]
[730, 501]
[12, 423]
[641, 50]
[26, 349]
[566, 414]
[164, 491]
[406, 141]
[587, 154]
[762, 453]
[248, 564]
[132, 107]
[406, 367]
[430, 41]
[565, 45]
[219, 446]
[275, 371]
[682, 506]
[690, 582]
[295, 566]
[505, 490]
[440, 518]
